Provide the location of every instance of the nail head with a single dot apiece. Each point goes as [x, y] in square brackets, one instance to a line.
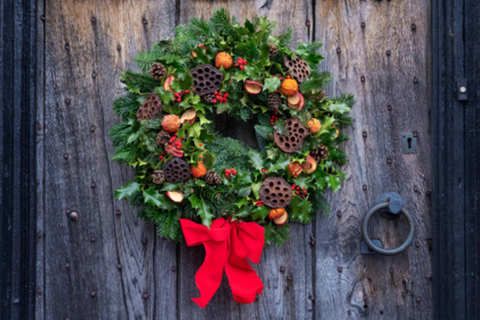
[74, 216]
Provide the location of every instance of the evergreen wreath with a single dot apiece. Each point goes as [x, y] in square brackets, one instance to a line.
[185, 169]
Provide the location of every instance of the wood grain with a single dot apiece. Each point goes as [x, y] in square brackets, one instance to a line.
[104, 265]
[394, 58]
[133, 273]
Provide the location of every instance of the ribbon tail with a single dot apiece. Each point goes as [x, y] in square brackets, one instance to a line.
[244, 281]
[209, 276]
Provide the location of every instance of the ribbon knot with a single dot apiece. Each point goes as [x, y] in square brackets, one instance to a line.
[227, 244]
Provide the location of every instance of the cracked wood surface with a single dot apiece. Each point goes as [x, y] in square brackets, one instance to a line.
[110, 265]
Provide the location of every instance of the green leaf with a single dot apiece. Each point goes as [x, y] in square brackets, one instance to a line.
[127, 191]
[256, 189]
[334, 182]
[260, 213]
[326, 125]
[203, 209]
[256, 159]
[195, 130]
[271, 84]
[242, 202]
[299, 210]
[339, 108]
[280, 164]
[156, 199]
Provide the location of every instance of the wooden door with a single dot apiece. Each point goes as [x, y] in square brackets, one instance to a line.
[98, 260]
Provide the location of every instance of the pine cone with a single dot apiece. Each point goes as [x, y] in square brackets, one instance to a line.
[150, 108]
[211, 177]
[163, 138]
[209, 97]
[273, 50]
[157, 71]
[274, 100]
[320, 153]
[319, 95]
[158, 177]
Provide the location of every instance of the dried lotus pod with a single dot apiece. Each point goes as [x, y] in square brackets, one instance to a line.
[294, 140]
[150, 108]
[176, 170]
[275, 192]
[297, 67]
[206, 79]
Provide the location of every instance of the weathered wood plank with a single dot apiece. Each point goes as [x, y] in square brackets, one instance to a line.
[105, 265]
[282, 298]
[394, 57]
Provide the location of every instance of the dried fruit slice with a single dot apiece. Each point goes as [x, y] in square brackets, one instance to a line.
[310, 165]
[294, 100]
[253, 87]
[301, 102]
[174, 151]
[189, 115]
[175, 196]
[281, 220]
[166, 84]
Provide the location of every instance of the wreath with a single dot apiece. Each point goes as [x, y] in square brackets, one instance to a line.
[188, 176]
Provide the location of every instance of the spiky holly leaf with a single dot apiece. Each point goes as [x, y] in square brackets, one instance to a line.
[299, 210]
[203, 209]
[271, 84]
[158, 200]
[127, 191]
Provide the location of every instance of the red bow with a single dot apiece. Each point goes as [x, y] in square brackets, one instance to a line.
[227, 245]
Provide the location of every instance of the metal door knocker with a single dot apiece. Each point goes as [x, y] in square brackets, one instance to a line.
[394, 203]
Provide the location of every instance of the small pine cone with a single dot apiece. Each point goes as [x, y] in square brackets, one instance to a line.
[273, 50]
[157, 71]
[274, 100]
[320, 153]
[163, 138]
[211, 177]
[209, 97]
[319, 95]
[158, 177]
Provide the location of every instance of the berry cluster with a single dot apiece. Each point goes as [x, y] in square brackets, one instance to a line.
[297, 189]
[260, 203]
[220, 97]
[178, 95]
[229, 172]
[241, 63]
[274, 117]
[162, 155]
[176, 142]
[264, 170]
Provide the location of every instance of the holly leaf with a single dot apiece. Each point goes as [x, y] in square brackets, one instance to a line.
[334, 182]
[256, 189]
[280, 164]
[195, 130]
[127, 191]
[326, 125]
[158, 200]
[240, 76]
[271, 84]
[203, 120]
[303, 182]
[299, 210]
[166, 96]
[338, 108]
[255, 159]
[251, 72]
[203, 209]
[242, 202]
[260, 213]
[272, 153]
[280, 127]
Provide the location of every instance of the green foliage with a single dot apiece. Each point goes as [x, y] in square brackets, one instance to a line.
[238, 194]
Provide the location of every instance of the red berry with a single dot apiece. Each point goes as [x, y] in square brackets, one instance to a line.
[236, 64]
[298, 188]
[187, 91]
[234, 173]
[201, 144]
[226, 94]
[215, 101]
[296, 192]
[161, 157]
[242, 67]
[215, 93]
[304, 191]
[200, 156]
[280, 78]
[266, 171]
[227, 175]
[294, 185]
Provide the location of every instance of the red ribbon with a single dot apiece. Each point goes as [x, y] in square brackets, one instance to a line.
[227, 244]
